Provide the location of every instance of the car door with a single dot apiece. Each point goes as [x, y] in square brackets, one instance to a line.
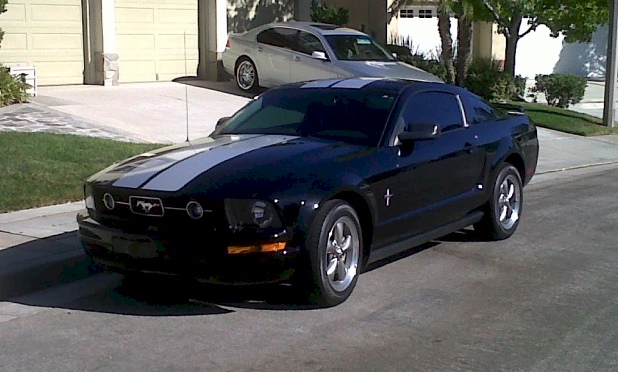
[273, 55]
[438, 177]
[303, 66]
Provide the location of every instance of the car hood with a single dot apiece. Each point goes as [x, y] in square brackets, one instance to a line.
[393, 69]
[221, 162]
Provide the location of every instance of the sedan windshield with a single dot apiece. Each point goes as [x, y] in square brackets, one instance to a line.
[357, 48]
[349, 115]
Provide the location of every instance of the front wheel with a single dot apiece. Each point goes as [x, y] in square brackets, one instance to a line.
[246, 75]
[503, 210]
[335, 244]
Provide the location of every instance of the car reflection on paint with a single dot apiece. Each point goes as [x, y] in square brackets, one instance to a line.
[308, 183]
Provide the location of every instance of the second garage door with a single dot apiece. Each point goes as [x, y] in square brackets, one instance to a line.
[151, 39]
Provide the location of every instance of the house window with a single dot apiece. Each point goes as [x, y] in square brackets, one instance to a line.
[425, 13]
[406, 13]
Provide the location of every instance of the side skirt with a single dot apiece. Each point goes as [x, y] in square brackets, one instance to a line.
[398, 247]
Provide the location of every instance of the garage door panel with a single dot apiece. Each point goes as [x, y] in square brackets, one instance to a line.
[184, 16]
[15, 12]
[57, 42]
[132, 42]
[47, 35]
[137, 71]
[14, 42]
[134, 15]
[55, 12]
[156, 36]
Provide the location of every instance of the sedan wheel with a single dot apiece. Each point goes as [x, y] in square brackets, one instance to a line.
[335, 245]
[503, 211]
[246, 75]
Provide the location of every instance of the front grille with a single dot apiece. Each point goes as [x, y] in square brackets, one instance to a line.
[155, 214]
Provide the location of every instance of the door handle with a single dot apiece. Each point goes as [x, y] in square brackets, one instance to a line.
[296, 59]
[259, 49]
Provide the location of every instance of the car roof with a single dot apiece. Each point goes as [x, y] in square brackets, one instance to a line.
[316, 27]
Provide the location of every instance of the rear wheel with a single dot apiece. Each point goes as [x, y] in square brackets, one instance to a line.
[335, 244]
[503, 210]
[246, 75]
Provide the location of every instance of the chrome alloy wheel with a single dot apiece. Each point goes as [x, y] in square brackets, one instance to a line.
[509, 202]
[245, 75]
[342, 253]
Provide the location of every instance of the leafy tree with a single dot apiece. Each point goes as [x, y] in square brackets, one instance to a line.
[325, 13]
[2, 10]
[575, 19]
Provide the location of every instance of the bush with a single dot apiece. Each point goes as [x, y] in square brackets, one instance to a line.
[325, 13]
[432, 66]
[486, 79]
[13, 89]
[561, 90]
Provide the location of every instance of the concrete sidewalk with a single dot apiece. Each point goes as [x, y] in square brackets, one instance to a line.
[39, 247]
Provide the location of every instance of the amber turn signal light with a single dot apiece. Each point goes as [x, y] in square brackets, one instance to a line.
[261, 248]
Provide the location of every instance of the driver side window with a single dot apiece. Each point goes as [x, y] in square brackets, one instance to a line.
[433, 108]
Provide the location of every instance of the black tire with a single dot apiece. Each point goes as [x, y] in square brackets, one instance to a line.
[246, 75]
[504, 208]
[322, 288]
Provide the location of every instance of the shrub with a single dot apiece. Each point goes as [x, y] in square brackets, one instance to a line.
[13, 89]
[561, 90]
[325, 13]
[486, 79]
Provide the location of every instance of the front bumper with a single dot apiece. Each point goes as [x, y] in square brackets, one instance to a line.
[183, 254]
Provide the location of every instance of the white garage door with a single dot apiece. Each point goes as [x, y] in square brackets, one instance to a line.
[45, 34]
[150, 37]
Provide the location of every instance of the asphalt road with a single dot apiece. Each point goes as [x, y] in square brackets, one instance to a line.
[544, 300]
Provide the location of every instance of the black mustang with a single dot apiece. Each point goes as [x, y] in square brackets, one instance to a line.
[311, 182]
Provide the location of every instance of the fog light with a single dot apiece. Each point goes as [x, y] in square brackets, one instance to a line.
[109, 201]
[195, 210]
[261, 248]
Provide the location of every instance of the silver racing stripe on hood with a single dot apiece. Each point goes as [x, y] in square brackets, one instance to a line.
[177, 176]
[143, 172]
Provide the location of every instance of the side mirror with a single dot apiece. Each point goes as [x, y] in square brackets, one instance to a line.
[419, 132]
[221, 122]
[319, 55]
[394, 55]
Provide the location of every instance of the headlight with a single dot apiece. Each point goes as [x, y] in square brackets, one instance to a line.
[258, 213]
[88, 198]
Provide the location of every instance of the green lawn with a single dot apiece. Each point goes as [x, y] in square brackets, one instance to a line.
[39, 169]
[566, 120]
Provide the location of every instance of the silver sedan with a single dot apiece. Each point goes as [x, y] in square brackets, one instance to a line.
[290, 52]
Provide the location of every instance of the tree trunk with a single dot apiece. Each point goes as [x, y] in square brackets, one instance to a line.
[464, 48]
[511, 44]
[444, 28]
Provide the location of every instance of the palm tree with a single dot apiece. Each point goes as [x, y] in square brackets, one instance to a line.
[444, 28]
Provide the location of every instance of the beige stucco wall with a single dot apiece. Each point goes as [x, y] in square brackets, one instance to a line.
[47, 36]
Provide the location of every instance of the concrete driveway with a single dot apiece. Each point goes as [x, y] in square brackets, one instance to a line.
[152, 112]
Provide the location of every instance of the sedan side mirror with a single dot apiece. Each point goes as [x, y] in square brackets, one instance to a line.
[419, 132]
[319, 55]
[221, 122]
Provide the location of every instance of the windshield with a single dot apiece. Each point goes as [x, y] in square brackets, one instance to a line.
[349, 115]
[357, 48]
